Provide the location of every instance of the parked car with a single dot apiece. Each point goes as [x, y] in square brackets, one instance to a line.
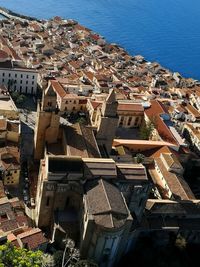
[26, 185]
[32, 202]
[25, 192]
[26, 179]
[26, 198]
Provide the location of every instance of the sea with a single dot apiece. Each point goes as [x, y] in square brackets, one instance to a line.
[166, 31]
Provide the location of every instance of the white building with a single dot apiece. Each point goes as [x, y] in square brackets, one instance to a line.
[23, 80]
[20, 80]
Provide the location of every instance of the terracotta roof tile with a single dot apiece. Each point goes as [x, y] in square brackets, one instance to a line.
[95, 104]
[58, 88]
[3, 124]
[130, 107]
[32, 238]
[177, 185]
[154, 112]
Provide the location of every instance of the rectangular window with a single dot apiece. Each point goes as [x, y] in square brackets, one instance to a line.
[33, 77]
[136, 121]
[21, 81]
[48, 201]
[9, 75]
[3, 74]
[26, 82]
[21, 75]
[27, 76]
[15, 75]
[32, 82]
[129, 120]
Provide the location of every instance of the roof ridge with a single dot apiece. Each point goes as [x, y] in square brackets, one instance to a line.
[106, 193]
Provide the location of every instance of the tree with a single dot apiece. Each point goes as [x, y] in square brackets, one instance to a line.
[20, 99]
[81, 120]
[48, 260]
[180, 242]
[140, 158]
[147, 128]
[14, 95]
[70, 254]
[11, 256]
[58, 255]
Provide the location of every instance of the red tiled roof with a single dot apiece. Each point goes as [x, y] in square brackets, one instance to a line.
[33, 238]
[3, 55]
[95, 104]
[192, 110]
[74, 64]
[9, 225]
[13, 239]
[22, 220]
[154, 112]
[58, 88]
[130, 107]
[89, 75]
[3, 124]
[95, 37]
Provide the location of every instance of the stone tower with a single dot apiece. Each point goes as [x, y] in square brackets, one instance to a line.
[107, 123]
[47, 124]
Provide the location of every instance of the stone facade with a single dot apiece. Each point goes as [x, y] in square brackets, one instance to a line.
[106, 122]
[73, 199]
[22, 80]
[47, 124]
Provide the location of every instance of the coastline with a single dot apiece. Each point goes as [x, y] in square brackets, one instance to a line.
[9, 14]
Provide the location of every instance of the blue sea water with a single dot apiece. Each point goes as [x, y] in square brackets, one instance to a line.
[167, 31]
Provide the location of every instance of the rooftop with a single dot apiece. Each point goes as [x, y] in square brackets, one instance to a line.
[106, 204]
[80, 141]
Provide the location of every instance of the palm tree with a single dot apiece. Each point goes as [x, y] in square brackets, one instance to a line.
[73, 253]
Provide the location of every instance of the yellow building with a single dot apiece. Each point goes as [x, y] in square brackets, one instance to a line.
[7, 106]
[9, 131]
[67, 102]
[47, 123]
[10, 165]
[130, 114]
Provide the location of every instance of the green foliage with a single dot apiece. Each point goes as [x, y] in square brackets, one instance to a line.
[18, 98]
[180, 242]
[140, 158]
[81, 120]
[14, 95]
[146, 129]
[11, 256]
[58, 255]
